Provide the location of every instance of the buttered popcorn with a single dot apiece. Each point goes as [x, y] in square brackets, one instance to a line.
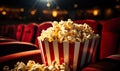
[67, 31]
[32, 66]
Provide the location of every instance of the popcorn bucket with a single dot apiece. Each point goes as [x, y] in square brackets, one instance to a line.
[75, 55]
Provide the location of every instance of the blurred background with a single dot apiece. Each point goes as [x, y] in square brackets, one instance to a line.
[24, 11]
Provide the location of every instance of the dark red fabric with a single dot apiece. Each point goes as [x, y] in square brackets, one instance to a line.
[1, 30]
[5, 30]
[110, 37]
[119, 47]
[12, 31]
[19, 32]
[8, 33]
[108, 44]
[107, 64]
[90, 69]
[29, 33]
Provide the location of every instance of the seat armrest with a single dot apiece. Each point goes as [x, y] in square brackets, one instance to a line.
[14, 47]
[25, 56]
[115, 57]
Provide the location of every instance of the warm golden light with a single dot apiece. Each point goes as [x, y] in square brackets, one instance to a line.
[4, 13]
[22, 9]
[108, 12]
[117, 6]
[54, 13]
[33, 12]
[95, 12]
[48, 4]
[75, 5]
[1, 9]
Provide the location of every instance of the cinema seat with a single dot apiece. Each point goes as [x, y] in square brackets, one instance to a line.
[7, 48]
[1, 30]
[29, 33]
[12, 31]
[19, 32]
[25, 56]
[110, 37]
[5, 30]
[8, 33]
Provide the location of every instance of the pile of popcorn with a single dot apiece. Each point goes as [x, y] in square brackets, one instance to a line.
[32, 66]
[67, 31]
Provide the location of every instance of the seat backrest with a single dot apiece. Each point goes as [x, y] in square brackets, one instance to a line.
[42, 26]
[110, 37]
[29, 33]
[19, 32]
[1, 30]
[12, 31]
[92, 23]
[6, 30]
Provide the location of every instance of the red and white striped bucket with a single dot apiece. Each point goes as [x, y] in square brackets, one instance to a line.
[76, 55]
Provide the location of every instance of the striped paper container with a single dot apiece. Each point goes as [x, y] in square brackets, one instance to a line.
[76, 55]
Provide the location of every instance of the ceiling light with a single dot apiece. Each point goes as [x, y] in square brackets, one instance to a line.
[48, 4]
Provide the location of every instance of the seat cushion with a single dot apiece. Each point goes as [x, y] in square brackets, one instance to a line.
[106, 64]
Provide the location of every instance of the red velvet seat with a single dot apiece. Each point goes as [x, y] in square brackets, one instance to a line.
[8, 33]
[42, 26]
[14, 47]
[5, 30]
[19, 32]
[29, 33]
[110, 37]
[12, 31]
[1, 30]
[25, 56]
